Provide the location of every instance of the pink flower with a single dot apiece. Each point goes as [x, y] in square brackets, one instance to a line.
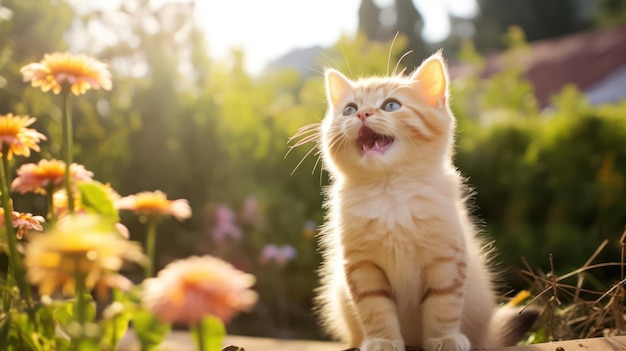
[155, 203]
[23, 222]
[277, 254]
[39, 177]
[250, 209]
[186, 291]
[224, 225]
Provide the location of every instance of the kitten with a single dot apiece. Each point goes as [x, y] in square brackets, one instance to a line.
[402, 263]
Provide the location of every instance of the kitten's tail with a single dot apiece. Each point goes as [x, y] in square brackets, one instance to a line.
[509, 325]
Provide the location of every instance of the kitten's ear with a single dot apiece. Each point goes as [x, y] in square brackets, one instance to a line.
[432, 80]
[337, 86]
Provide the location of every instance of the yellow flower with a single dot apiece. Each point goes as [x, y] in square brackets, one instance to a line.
[20, 140]
[83, 245]
[155, 203]
[186, 291]
[58, 70]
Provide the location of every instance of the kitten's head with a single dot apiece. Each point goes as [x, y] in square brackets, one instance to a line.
[383, 125]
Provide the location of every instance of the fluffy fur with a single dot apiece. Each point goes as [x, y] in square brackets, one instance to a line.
[402, 263]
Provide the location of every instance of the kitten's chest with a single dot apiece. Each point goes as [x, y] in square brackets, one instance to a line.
[397, 207]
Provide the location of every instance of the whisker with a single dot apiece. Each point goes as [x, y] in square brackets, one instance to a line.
[321, 73]
[321, 170]
[390, 50]
[306, 128]
[400, 60]
[347, 63]
[303, 158]
[319, 156]
[305, 140]
[331, 60]
[305, 132]
[334, 139]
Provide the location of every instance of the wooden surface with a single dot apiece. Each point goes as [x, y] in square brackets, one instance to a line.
[181, 341]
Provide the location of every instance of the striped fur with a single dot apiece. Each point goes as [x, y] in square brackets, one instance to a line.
[402, 263]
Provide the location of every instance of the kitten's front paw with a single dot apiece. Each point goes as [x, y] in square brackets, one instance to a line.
[453, 342]
[379, 344]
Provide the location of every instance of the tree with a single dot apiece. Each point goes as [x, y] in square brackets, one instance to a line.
[538, 19]
[408, 22]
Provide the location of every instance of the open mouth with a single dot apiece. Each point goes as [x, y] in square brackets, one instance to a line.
[370, 141]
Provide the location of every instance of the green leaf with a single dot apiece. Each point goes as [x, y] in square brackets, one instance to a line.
[5, 326]
[22, 335]
[210, 332]
[45, 315]
[90, 308]
[95, 199]
[114, 329]
[64, 314]
[62, 344]
[88, 345]
[149, 330]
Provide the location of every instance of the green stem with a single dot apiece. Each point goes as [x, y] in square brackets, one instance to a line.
[52, 217]
[15, 271]
[67, 147]
[79, 307]
[117, 297]
[151, 245]
[200, 336]
[79, 311]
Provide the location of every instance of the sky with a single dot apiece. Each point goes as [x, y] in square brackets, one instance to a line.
[267, 29]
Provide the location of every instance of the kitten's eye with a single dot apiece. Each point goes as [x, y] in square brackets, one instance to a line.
[391, 105]
[349, 110]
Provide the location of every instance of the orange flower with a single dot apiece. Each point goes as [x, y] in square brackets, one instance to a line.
[37, 177]
[188, 290]
[80, 244]
[21, 140]
[23, 222]
[57, 70]
[155, 203]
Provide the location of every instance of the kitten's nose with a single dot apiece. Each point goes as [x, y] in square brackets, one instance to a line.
[364, 113]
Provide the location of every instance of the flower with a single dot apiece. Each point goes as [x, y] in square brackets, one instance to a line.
[186, 291]
[81, 244]
[225, 226]
[250, 210]
[38, 177]
[155, 203]
[23, 222]
[59, 204]
[79, 72]
[59, 199]
[21, 140]
[278, 254]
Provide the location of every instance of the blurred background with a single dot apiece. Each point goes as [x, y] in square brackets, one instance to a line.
[207, 93]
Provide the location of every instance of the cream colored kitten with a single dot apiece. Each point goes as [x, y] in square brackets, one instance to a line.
[402, 265]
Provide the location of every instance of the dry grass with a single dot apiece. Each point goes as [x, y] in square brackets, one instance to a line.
[572, 310]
